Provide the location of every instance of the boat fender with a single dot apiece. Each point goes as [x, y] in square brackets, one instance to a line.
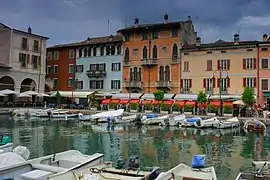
[22, 151]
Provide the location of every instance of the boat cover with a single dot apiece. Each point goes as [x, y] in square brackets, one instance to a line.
[151, 115]
[106, 114]
[10, 158]
[192, 120]
[198, 161]
[5, 140]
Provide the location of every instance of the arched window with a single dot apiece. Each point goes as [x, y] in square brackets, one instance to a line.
[130, 74]
[161, 73]
[135, 74]
[112, 50]
[108, 50]
[89, 51]
[127, 54]
[101, 51]
[155, 51]
[167, 73]
[85, 52]
[144, 55]
[140, 74]
[80, 52]
[119, 49]
[175, 52]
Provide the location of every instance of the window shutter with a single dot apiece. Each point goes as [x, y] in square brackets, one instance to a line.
[39, 60]
[218, 82]
[218, 65]
[82, 68]
[119, 64]
[104, 67]
[244, 82]
[254, 82]
[204, 83]
[254, 63]
[228, 82]
[111, 84]
[228, 64]
[181, 83]
[213, 82]
[190, 83]
[244, 64]
[28, 58]
[112, 66]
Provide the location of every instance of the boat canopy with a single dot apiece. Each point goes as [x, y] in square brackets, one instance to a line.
[10, 158]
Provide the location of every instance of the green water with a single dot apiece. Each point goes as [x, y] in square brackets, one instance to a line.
[229, 151]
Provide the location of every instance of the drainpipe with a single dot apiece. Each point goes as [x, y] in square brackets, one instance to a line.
[258, 71]
[149, 56]
[180, 69]
[39, 64]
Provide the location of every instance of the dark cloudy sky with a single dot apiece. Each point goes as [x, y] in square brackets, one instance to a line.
[74, 20]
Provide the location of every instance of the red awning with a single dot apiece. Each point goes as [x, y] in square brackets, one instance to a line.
[190, 103]
[144, 102]
[203, 105]
[168, 102]
[217, 103]
[115, 101]
[180, 103]
[105, 101]
[124, 102]
[155, 102]
[134, 101]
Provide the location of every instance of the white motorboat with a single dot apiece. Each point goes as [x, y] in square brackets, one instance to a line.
[43, 113]
[174, 120]
[102, 116]
[190, 122]
[260, 171]
[125, 119]
[184, 172]
[254, 125]
[16, 166]
[206, 123]
[63, 114]
[228, 123]
[153, 120]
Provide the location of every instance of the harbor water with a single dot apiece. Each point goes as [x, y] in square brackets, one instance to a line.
[229, 151]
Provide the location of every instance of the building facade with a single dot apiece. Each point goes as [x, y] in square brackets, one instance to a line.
[225, 66]
[151, 58]
[61, 63]
[22, 60]
[98, 64]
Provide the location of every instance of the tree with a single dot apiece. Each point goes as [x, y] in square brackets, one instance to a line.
[202, 98]
[159, 95]
[248, 97]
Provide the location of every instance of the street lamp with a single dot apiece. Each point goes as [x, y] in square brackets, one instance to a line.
[129, 91]
[220, 85]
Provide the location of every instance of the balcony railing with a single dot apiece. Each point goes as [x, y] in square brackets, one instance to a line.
[224, 90]
[149, 62]
[36, 49]
[175, 60]
[164, 84]
[209, 90]
[24, 46]
[96, 73]
[133, 84]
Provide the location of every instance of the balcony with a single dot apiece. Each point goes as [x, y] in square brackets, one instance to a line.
[133, 84]
[126, 63]
[36, 49]
[175, 60]
[96, 73]
[149, 62]
[163, 84]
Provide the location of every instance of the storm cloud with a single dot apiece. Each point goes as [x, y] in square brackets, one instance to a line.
[74, 20]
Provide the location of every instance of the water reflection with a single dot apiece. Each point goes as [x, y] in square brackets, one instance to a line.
[228, 150]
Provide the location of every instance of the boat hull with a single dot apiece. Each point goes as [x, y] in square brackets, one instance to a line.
[174, 121]
[6, 148]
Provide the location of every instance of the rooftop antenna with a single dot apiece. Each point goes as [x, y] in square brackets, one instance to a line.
[108, 27]
[238, 29]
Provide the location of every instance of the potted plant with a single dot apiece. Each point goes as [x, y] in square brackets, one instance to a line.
[164, 108]
[133, 107]
[227, 110]
[112, 106]
[148, 108]
[176, 108]
[188, 109]
[211, 110]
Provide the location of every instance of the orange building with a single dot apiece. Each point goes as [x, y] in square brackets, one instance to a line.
[151, 57]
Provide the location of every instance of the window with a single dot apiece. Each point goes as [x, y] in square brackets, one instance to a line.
[249, 63]
[80, 52]
[265, 64]
[93, 67]
[79, 85]
[264, 84]
[175, 52]
[24, 43]
[208, 84]
[115, 84]
[144, 35]
[161, 73]
[108, 50]
[101, 67]
[71, 54]
[119, 49]
[101, 51]
[96, 84]
[155, 52]
[116, 66]
[174, 32]
[55, 83]
[186, 66]
[155, 34]
[135, 74]
[56, 55]
[22, 60]
[249, 82]
[140, 74]
[223, 64]
[49, 55]
[34, 62]
[55, 69]
[113, 50]
[127, 37]
[264, 49]
[223, 83]
[187, 85]
[49, 70]
[89, 50]
[85, 52]
[94, 51]
[127, 54]
[209, 65]
[36, 46]
[79, 68]
[71, 68]
[144, 52]
[167, 73]
[70, 82]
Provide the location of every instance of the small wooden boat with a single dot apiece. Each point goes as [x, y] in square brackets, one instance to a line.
[206, 123]
[155, 120]
[174, 120]
[228, 123]
[260, 171]
[254, 125]
[189, 122]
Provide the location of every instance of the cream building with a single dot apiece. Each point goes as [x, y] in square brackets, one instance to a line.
[22, 60]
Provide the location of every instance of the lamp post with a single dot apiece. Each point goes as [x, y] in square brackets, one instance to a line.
[220, 86]
[129, 92]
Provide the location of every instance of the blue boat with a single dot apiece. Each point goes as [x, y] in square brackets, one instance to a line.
[189, 122]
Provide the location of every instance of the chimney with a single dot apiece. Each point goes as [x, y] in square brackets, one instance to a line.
[198, 41]
[29, 30]
[189, 18]
[264, 37]
[136, 21]
[166, 17]
[236, 38]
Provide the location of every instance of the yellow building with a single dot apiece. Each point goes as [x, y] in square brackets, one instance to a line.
[236, 62]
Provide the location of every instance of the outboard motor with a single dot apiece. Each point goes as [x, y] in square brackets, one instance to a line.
[198, 123]
[167, 121]
[134, 162]
[120, 163]
[49, 113]
[138, 120]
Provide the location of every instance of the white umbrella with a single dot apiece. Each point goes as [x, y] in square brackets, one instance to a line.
[31, 93]
[43, 95]
[24, 95]
[8, 91]
[239, 102]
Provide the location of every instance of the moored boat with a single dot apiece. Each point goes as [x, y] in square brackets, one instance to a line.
[6, 144]
[260, 171]
[254, 125]
[173, 120]
[125, 119]
[189, 122]
[63, 114]
[102, 116]
[153, 120]
[228, 123]
[206, 123]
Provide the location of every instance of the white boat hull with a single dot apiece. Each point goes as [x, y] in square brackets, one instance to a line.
[155, 120]
[187, 123]
[6, 148]
[174, 121]
[229, 123]
[206, 123]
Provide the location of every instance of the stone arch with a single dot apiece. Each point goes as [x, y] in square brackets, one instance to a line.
[47, 88]
[28, 85]
[7, 82]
